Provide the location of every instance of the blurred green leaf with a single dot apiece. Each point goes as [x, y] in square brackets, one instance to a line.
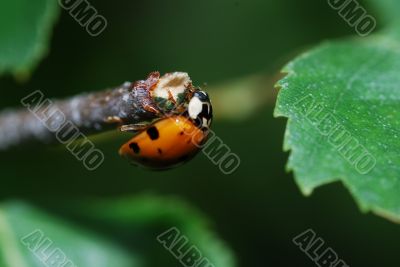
[252, 92]
[25, 28]
[123, 233]
[147, 216]
[23, 228]
[388, 9]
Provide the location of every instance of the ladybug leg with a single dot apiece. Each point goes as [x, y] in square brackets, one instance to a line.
[127, 127]
[114, 119]
[133, 127]
[151, 108]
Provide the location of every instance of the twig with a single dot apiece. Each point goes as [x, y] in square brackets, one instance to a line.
[129, 103]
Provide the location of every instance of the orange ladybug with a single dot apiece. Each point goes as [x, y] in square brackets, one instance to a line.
[172, 140]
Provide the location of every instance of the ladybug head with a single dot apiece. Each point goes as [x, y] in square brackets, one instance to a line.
[200, 109]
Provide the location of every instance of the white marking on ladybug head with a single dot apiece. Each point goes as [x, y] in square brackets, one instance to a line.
[200, 109]
[195, 107]
[176, 83]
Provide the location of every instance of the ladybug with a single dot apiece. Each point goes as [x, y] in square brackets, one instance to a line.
[173, 139]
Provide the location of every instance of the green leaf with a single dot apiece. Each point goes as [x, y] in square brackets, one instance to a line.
[23, 228]
[342, 101]
[25, 28]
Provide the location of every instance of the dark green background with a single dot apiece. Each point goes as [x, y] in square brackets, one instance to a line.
[258, 209]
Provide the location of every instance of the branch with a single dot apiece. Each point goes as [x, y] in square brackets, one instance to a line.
[129, 103]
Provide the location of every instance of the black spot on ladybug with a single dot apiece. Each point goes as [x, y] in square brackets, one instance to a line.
[159, 151]
[135, 147]
[181, 133]
[153, 133]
